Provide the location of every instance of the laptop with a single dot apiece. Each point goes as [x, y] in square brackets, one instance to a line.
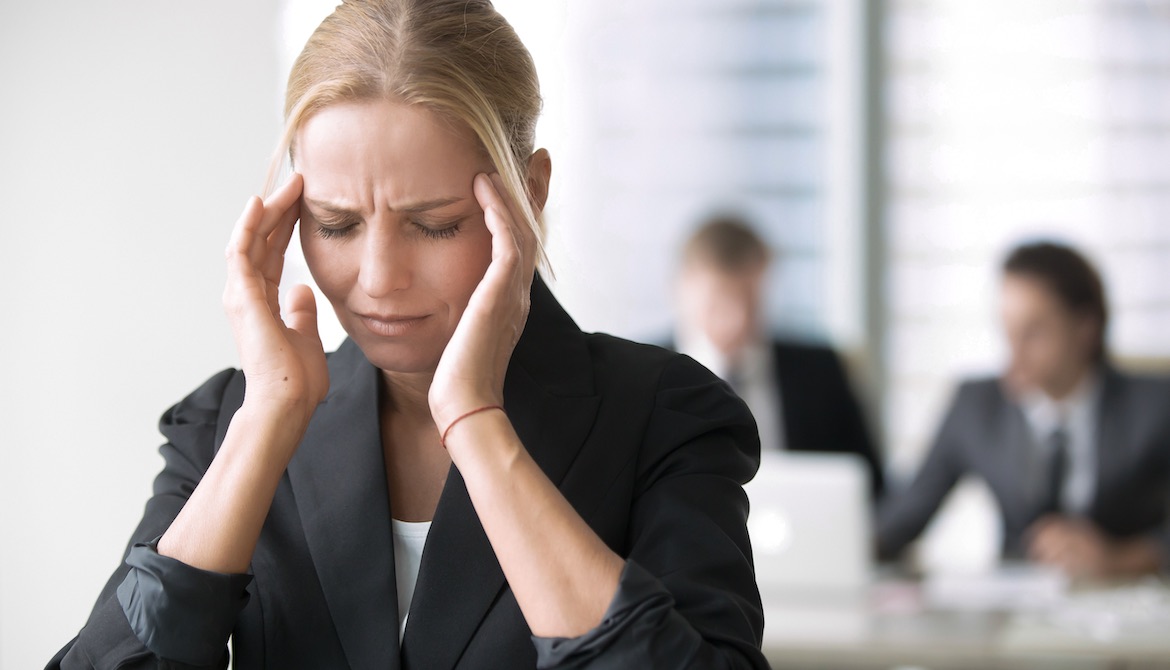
[810, 524]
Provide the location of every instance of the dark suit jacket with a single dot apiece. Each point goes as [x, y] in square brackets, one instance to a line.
[819, 411]
[646, 445]
[985, 433]
[819, 408]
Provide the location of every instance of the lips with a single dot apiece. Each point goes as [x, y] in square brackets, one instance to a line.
[392, 325]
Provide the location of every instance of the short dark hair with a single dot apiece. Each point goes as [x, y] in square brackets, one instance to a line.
[728, 242]
[1071, 278]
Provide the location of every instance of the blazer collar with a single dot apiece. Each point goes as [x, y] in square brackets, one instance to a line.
[339, 482]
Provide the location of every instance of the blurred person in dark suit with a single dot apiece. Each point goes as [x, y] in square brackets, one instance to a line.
[1076, 452]
[798, 391]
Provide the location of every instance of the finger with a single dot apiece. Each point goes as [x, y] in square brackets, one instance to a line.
[509, 203]
[278, 242]
[261, 217]
[279, 203]
[281, 207]
[245, 293]
[505, 245]
[524, 232]
[301, 311]
[241, 241]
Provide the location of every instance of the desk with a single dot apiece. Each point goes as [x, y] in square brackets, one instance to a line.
[1094, 627]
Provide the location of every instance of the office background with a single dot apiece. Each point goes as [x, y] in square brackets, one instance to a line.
[890, 150]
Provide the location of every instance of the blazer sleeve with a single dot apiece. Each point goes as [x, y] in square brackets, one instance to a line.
[903, 516]
[687, 597]
[156, 612]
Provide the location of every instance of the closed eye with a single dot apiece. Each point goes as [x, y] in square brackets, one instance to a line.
[439, 232]
[334, 230]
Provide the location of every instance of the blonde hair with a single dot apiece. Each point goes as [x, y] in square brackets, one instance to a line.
[459, 58]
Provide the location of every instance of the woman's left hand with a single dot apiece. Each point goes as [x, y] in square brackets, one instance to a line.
[471, 370]
[562, 574]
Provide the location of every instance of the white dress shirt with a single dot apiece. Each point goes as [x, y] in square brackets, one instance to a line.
[1077, 414]
[409, 539]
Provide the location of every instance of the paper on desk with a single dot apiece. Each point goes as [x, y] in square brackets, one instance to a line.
[1108, 614]
[1122, 622]
[1011, 588]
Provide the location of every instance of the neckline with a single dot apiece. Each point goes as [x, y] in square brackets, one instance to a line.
[410, 528]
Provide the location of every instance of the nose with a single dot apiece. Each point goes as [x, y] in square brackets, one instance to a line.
[385, 265]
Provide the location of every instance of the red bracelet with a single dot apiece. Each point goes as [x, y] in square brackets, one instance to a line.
[443, 439]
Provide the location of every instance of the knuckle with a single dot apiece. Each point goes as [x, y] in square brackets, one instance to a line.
[234, 253]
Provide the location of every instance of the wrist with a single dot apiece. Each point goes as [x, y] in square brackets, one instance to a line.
[464, 416]
[447, 412]
[270, 426]
[483, 435]
[289, 414]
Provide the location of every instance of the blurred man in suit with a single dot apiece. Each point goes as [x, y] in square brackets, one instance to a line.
[1076, 453]
[799, 392]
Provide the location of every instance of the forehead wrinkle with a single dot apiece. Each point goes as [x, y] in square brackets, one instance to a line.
[412, 208]
[369, 167]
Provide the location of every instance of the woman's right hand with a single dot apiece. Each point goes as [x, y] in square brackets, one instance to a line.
[282, 358]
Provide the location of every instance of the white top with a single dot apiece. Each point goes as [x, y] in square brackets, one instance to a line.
[752, 379]
[409, 539]
[1077, 415]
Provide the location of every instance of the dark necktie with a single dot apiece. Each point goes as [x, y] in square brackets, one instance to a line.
[1057, 470]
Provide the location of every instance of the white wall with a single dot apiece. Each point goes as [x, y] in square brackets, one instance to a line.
[131, 133]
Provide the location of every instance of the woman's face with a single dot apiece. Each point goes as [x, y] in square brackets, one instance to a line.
[390, 228]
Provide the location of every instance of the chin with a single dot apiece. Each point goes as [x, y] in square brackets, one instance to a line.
[1020, 384]
[418, 352]
[401, 357]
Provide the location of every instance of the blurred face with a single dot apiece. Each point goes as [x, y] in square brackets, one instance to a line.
[391, 230]
[1051, 348]
[723, 306]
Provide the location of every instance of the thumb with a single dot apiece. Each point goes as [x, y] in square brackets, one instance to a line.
[301, 311]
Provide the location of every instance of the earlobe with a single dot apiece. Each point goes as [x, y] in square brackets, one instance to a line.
[539, 175]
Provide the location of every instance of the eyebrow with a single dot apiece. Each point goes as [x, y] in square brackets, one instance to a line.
[415, 208]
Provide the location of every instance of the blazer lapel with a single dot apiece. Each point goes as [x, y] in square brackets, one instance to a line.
[1010, 464]
[549, 398]
[338, 478]
[1021, 474]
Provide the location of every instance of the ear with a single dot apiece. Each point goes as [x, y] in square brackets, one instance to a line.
[539, 174]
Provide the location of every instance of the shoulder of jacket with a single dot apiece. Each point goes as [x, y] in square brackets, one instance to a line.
[979, 392]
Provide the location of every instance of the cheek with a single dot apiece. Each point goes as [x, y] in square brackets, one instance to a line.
[327, 264]
[456, 266]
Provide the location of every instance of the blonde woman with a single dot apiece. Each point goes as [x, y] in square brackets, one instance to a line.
[469, 481]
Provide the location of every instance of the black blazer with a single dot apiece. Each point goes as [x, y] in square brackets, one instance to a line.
[647, 446]
[985, 433]
[819, 408]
